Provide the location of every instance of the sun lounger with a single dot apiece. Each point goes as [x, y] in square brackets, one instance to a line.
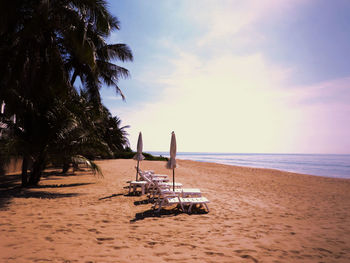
[171, 200]
[188, 192]
[191, 201]
[134, 184]
[168, 201]
[170, 184]
[157, 187]
[159, 178]
[161, 191]
[152, 175]
[159, 181]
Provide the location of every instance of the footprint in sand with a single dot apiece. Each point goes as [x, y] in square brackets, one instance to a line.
[151, 243]
[249, 257]
[323, 250]
[210, 253]
[102, 239]
[119, 247]
[243, 254]
[185, 244]
[94, 230]
[49, 239]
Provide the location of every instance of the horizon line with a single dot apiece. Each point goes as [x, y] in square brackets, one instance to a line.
[272, 153]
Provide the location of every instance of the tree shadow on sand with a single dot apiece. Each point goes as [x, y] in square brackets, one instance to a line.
[18, 192]
[28, 193]
[60, 185]
[10, 187]
[10, 181]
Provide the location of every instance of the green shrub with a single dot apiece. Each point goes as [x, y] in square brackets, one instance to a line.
[130, 155]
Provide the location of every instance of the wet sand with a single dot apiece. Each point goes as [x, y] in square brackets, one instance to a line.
[256, 215]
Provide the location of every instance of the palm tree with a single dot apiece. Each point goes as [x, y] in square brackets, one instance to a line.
[113, 133]
[43, 44]
[76, 136]
[104, 71]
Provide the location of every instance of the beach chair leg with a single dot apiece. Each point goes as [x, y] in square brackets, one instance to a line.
[156, 203]
[160, 206]
[190, 208]
[142, 189]
[152, 196]
[182, 207]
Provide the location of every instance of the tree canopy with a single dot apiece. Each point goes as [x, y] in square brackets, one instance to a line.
[44, 47]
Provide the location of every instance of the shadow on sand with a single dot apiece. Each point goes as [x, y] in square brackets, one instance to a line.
[10, 187]
[136, 193]
[18, 192]
[60, 185]
[144, 202]
[151, 213]
[110, 196]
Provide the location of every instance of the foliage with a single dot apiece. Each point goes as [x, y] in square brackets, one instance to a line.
[44, 47]
[79, 159]
[130, 155]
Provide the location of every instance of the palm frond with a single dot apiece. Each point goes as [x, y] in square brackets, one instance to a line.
[79, 159]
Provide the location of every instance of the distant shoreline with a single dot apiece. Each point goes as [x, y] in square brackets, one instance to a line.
[325, 165]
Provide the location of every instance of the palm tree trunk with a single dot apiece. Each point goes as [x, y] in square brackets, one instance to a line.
[38, 168]
[65, 167]
[35, 175]
[24, 171]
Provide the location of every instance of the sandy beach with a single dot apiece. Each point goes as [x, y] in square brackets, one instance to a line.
[256, 215]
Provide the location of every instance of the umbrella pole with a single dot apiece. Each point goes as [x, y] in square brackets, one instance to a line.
[137, 171]
[174, 180]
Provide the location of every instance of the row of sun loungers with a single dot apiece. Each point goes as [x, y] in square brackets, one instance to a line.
[161, 192]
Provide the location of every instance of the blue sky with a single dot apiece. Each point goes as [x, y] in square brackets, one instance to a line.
[236, 76]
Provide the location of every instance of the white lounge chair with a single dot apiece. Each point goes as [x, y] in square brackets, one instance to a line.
[191, 201]
[159, 176]
[188, 192]
[152, 175]
[162, 191]
[168, 201]
[159, 180]
[135, 184]
[172, 199]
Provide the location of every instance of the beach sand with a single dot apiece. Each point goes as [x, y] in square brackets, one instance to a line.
[256, 215]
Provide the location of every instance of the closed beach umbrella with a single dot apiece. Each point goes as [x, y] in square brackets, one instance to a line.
[138, 156]
[2, 107]
[172, 161]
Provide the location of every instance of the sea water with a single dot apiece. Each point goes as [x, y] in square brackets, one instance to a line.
[329, 165]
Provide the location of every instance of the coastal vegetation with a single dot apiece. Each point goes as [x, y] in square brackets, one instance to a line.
[129, 154]
[54, 61]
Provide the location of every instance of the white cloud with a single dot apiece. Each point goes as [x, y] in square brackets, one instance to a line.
[227, 104]
[230, 20]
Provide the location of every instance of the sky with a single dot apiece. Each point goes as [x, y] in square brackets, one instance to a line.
[252, 76]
